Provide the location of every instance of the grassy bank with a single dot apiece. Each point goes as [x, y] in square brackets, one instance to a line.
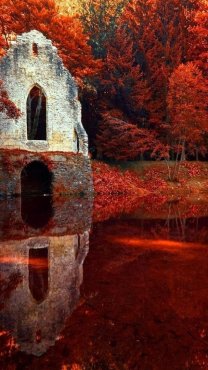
[192, 179]
[144, 188]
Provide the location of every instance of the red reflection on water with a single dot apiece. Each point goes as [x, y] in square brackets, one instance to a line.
[142, 306]
[160, 244]
[35, 262]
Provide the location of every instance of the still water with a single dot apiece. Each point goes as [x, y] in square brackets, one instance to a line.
[130, 292]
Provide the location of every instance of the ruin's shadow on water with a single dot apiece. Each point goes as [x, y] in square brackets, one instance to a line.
[137, 299]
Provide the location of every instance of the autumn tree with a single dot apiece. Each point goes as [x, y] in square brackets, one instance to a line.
[122, 84]
[167, 53]
[160, 31]
[122, 140]
[200, 34]
[99, 19]
[68, 7]
[5, 25]
[188, 109]
[137, 19]
[66, 32]
[73, 48]
[128, 57]
[6, 105]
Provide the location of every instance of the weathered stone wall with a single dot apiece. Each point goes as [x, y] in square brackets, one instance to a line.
[21, 70]
[71, 172]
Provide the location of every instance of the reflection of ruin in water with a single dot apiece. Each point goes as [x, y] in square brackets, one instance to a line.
[51, 269]
[38, 273]
[31, 210]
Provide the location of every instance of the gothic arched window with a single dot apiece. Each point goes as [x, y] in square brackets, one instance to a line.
[36, 114]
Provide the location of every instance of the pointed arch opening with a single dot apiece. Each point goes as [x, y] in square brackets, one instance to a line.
[36, 114]
[36, 179]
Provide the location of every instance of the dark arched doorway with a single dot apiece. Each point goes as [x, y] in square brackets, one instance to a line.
[36, 114]
[36, 200]
[38, 273]
[36, 179]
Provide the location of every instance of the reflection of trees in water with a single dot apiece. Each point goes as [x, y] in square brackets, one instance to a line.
[173, 228]
[141, 308]
[185, 228]
[181, 229]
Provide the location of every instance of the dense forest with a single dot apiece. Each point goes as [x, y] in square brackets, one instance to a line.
[141, 67]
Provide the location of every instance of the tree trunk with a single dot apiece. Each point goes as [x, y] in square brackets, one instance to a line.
[183, 153]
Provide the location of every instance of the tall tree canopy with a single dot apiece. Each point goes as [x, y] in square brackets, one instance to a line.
[66, 32]
[187, 105]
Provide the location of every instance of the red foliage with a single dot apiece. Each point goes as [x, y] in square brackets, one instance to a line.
[111, 180]
[2, 46]
[6, 105]
[122, 84]
[161, 34]
[17, 158]
[65, 31]
[13, 159]
[116, 192]
[195, 169]
[140, 294]
[100, 19]
[108, 206]
[119, 139]
[199, 29]
[141, 43]
[154, 179]
[188, 108]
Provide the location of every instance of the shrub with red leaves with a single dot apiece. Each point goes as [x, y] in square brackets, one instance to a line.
[195, 169]
[154, 179]
[111, 180]
[116, 191]
[6, 105]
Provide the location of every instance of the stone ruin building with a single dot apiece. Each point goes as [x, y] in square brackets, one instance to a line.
[48, 140]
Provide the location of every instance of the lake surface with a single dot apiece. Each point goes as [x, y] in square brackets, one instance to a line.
[130, 292]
